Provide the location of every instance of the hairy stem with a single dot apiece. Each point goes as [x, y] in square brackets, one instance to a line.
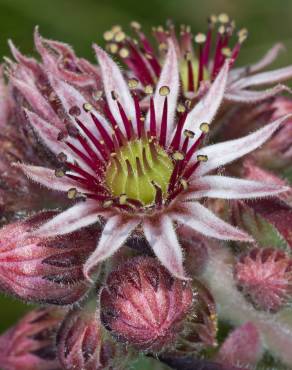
[276, 329]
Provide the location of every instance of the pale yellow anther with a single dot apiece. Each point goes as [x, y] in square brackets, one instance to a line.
[87, 107]
[188, 56]
[107, 203]
[226, 52]
[180, 108]
[135, 25]
[124, 53]
[189, 133]
[123, 199]
[120, 36]
[184, 184]
[202, 158]
[213, 18]
[97, 95]
[205, 127]
[221, 30]
[133, 83]
[164, 90]
[59, 172]
[188, 29]
[108, 35]
[162, 46]
[112, 48]
[242, 35]
[223, 18]
[178, 156]
[148, 89]
[200, 38]
[188, 103]
[72, 193]
[116, 28]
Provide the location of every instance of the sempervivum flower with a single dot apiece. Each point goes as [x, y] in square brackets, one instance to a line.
[142, 170]
[150, 326]
[82, 343]
[265, 276]
[46, 270]
[201, 58]
[30, 344]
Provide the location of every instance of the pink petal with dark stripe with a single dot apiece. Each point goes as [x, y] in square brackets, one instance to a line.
[231, 188]
[169, 77]
[163, 240]
[114, 81]
[208, 106]
[47, 177]
[205, 222]
[114, 235]
[228, 151]
[80, 215]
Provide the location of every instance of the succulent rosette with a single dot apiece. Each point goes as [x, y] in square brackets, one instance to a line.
[130, 160]
[141, 169]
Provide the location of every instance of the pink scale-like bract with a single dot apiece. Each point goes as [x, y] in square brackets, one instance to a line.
[265, 276]
[30, 344]
[138, 170]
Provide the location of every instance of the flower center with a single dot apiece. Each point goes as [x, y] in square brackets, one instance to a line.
[137, 170]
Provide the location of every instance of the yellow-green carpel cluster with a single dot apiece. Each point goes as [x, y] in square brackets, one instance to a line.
[137, 170]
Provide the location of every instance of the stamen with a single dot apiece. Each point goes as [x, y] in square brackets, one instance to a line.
[148, 90]
[163, 130]
[108, 35]
[93, 139]
[191, 80]
[133, 83]
[123, 199]
[177, 136]
[105, 136]
[188, 133]
[107, 204]
[184, 184]
[138, 115]
[72, 193]
[124, 53]
[205, 127]
[127, 123]
[87, 107]
[59, 172]
[178, 156]
[164, 90]
[202, 158]
[62, 157]
[152, 118]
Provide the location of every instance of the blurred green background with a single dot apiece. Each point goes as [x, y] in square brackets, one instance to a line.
[81, 22]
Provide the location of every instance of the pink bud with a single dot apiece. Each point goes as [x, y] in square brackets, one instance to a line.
[265, 276]
[81, 342]
[277, 152]
[143, 305]
[29, 345]
[44, 270]
[242, 347]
